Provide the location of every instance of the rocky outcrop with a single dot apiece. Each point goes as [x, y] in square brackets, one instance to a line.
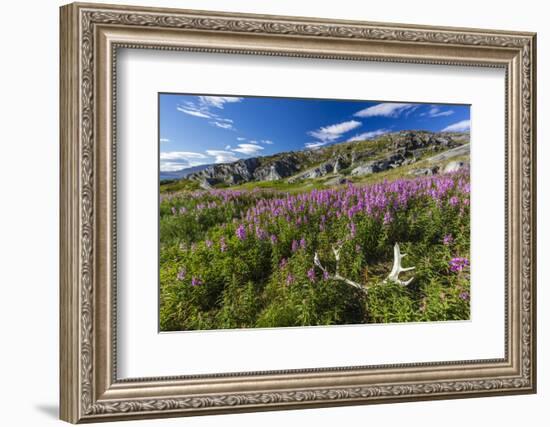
[282, 168]
[364, 169]
[425, 171]
[334, 166]
[380, 165]
[337, 180]
[463, 150]
[316, 172]
[247, 170]
[229, 173]
[355, 158]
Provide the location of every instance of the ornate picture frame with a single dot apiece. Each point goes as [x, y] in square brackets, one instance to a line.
[90, 37]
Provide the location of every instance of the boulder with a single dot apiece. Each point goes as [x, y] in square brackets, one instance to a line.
[454, 166]
[337, 180]
[462, 150]
[425, 171]
[365, 169]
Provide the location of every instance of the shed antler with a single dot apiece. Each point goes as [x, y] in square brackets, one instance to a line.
[392, 277]
[336, 275]
[397, 268]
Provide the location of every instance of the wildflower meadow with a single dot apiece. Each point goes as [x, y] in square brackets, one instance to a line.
[268, 258]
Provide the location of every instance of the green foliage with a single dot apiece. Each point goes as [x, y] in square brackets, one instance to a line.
[170, 186]
[210, 278]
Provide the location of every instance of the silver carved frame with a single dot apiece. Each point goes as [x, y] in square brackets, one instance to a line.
[90, 36]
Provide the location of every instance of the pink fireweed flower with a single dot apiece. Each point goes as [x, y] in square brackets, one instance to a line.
[465, 296]
[181, 274]
[283, 263]
[294, 247]
[273, 239]
[241, 232]
[289, 279]
[311, 274]
[260, 233]
[453, 201]
[174, 211]
[325, 275]
[458, 264]
[448, 239]
[196, 281]
[303, 243]
[208, 243]
[223, 245]
[183, 210]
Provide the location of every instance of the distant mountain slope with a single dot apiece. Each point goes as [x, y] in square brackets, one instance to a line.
[356, 158]
[182, 173]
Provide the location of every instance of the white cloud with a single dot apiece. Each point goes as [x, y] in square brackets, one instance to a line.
[228, 147]
[173, 166]
[462, 126]
[437, 112]
[368, 135]
[249, 149]
[223, 125]
[195, 112]
[201, 108]
[386, 109]
[176, 160]
[222, 156]
[164, 140]
[333, 132]
[315, 145]
[266, 141]
[240, 138]
[218, 101]
[181, 155]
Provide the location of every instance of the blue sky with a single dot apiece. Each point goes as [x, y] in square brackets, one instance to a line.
[197, 130]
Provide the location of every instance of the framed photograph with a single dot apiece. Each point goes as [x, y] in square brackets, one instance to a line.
[266, 212]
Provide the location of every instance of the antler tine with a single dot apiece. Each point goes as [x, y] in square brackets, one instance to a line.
[317, 262]
[336, 275]
[336, 251]
[398, 268]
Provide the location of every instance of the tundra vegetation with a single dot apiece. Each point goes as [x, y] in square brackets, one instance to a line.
[294, 251]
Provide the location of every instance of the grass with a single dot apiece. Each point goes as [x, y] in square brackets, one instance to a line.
[243, 258]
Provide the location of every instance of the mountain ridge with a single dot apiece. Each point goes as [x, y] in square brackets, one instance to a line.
[357, 158]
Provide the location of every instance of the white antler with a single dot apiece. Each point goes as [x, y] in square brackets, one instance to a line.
[336, 275]
[397, 268]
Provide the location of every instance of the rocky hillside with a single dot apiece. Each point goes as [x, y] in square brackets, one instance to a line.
[360, 158]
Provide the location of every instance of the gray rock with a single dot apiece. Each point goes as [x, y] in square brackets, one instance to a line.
[462, 150]
[365, 169]
[316, 172]
[337, 180]
[340, 163]
[279, 169]
[425, 171]
[205, 185]
[454, 166]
